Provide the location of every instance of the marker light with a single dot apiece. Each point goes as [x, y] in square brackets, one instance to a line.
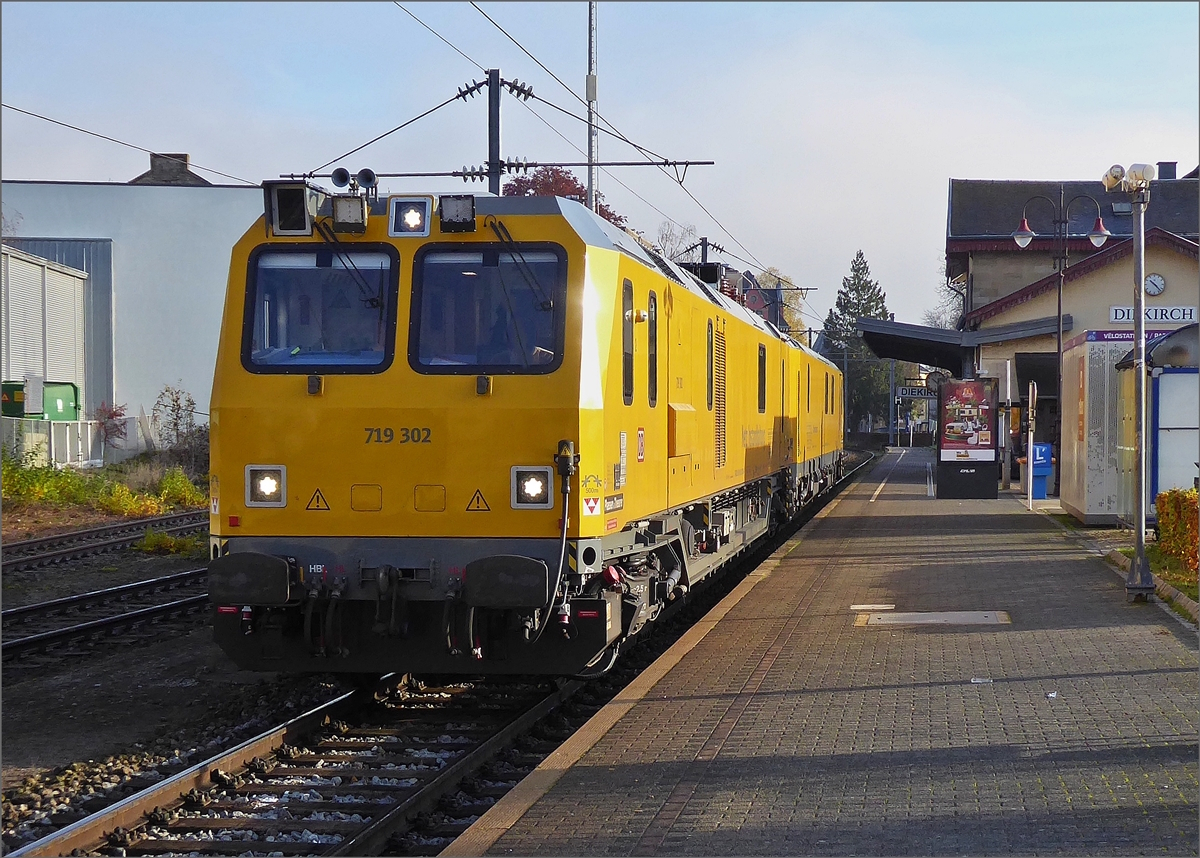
[266, 485]
[457, 212]
[531, 487]
[410, 216]
[350, 214]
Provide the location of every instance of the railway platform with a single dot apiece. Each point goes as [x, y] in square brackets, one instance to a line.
[905, 676]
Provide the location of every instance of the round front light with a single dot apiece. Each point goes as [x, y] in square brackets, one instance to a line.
[268, 485]
[533, 488]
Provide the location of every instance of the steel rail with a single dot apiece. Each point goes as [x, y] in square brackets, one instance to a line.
[79, 548]
[89, 833]
[33, 545]
[79, 600]
[40, 641]
[370, 837]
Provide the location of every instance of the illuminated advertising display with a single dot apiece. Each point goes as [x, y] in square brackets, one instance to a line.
[967, 429]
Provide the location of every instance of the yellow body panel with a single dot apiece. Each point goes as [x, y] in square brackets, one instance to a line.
[636, 460]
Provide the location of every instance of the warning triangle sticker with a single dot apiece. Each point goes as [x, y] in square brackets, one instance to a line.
[478, 504]
[591, 506]
[318, 501]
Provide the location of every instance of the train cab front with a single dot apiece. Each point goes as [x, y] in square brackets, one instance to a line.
[387, 472]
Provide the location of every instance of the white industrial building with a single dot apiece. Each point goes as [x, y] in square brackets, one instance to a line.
[156, 254]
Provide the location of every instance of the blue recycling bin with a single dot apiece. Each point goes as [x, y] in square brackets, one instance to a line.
[1042, 467]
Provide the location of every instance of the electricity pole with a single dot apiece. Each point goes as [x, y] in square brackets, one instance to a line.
[494, 166]
[591, 107]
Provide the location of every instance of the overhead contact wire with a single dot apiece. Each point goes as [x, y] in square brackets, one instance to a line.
[130, 145]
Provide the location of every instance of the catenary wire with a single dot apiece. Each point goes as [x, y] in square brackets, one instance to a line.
[541, 119]
[619, 136]
[130, 145]
[435, 32]
[543, 67]
[386, 133]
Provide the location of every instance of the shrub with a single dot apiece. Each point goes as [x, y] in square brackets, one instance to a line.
[177, 490]
[155, 542]
[119, 499]
[1178, 523]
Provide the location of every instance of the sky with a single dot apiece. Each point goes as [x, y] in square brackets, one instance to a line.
[835, 127]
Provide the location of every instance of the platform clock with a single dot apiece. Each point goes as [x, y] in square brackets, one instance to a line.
[1155, 284]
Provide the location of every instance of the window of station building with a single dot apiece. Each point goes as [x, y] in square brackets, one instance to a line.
[627, 342]
[310, 309]
[490, 310]
[652, 349]
[762, 379]
[710, 365]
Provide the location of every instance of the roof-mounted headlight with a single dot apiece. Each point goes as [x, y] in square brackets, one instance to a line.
[457, 213]
[409, 216]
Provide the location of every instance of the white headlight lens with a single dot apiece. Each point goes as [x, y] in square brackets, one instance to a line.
[265, 485]
[532, 487]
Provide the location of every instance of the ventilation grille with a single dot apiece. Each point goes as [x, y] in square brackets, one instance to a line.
[719, 395]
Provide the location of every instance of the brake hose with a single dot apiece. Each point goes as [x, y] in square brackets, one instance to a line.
[566, 461]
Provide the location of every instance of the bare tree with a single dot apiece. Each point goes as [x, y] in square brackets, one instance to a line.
[673, 240]
[950, 302]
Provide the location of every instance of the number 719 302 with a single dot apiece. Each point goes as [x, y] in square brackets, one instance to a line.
[404, 435]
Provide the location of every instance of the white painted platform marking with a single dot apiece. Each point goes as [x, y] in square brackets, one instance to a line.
[888, 477]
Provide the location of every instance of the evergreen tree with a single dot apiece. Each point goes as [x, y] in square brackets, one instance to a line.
[866, 376]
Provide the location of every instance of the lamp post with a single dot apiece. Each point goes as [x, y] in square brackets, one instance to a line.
[1140, 582]
[1023, 235]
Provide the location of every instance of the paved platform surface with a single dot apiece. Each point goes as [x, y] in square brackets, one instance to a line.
[791, 728]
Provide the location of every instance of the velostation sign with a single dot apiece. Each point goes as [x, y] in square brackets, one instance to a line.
[1173, 315]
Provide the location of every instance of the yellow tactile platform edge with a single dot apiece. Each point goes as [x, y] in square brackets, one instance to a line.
[486, 830]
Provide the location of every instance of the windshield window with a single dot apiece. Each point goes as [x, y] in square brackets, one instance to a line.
[320, 310]
[489, 311]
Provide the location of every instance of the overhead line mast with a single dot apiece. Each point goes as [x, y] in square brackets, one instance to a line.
[593, 137]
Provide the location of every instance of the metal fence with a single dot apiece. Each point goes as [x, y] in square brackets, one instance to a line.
[74, 443]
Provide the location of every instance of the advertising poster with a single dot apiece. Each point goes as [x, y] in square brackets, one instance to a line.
[968, 424]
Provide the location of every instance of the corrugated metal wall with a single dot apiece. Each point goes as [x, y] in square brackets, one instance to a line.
[43, 321]
[95, 256]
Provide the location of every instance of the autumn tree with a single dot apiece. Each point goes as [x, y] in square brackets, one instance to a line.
[772, 279]
[558, 182]
[868, 393]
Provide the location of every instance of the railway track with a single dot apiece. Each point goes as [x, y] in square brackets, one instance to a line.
[48, 625]
[400, 773]
[32, 553]
[341, 779]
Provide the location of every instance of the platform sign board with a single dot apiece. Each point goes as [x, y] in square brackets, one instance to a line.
[915, 392]
[969, 413]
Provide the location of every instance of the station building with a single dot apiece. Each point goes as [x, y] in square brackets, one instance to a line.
[1009, 322]
[155, 252]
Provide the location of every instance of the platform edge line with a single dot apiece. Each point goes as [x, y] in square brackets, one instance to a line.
[501, 816]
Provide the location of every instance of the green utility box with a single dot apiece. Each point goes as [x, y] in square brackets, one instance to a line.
[60, 401]
[12, 403]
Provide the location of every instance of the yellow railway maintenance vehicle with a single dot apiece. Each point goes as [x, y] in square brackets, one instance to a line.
[479, 434]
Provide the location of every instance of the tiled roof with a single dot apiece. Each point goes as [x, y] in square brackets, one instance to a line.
[990, 210]
[1112, 252]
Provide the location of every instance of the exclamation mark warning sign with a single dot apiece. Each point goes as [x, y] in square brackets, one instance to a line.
[478, 504]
